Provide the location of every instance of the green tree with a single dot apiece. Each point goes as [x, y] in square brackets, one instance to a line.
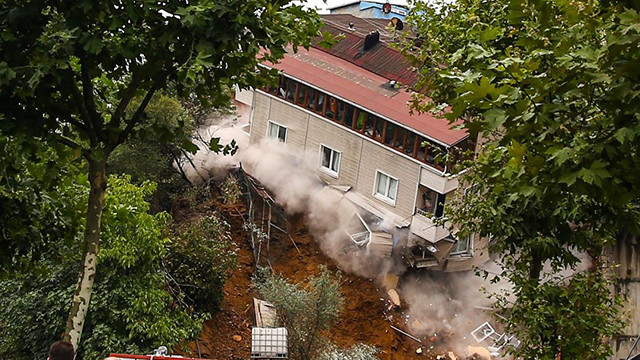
[132, 310]
[35, 217]
[70, 71]
[306, 311]
[148, 158]
[198, 260]
[553, 89]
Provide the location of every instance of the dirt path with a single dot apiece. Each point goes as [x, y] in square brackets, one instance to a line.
[228, 334]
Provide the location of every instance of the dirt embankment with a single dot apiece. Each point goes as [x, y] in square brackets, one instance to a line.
[227, 335]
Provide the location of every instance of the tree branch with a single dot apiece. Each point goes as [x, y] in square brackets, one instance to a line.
[84, 114]
[72, 144]
[87, 90]
[137, 116]
[126, 98]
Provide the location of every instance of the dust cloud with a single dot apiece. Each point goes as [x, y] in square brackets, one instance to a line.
[440, 309]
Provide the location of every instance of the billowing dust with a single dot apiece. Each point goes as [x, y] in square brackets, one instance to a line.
[406, 313]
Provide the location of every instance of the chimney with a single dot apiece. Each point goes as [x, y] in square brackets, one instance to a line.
[371, 39]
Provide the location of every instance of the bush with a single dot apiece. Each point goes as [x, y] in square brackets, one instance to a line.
[131, 311]
[231, 191]
[199, 259]
[305, 310]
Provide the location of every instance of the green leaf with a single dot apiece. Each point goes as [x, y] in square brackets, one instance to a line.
[189, 146]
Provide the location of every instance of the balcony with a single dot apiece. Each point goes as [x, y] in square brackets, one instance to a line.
[437, 181]
[424, 227]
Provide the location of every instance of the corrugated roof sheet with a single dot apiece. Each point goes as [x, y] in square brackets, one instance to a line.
[381, 59]
[366, 89]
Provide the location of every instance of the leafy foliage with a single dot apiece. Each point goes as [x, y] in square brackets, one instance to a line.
[131, 311]
[552, 89]
[231, 190]
[198, 261]
[71, 71]
[356, 352]
[35, 215]
[148, 157]
[305, 310]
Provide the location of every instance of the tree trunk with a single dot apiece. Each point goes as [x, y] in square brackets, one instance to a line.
[84, 287]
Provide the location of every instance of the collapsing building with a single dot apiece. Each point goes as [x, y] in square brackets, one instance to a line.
[345, 104]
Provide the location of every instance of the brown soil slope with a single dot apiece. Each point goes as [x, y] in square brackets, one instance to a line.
[228, 334]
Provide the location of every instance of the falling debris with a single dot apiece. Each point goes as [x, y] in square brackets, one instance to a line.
[266, 315]
[393, 295]
[390, 281]
[406, 334]
[479, 351]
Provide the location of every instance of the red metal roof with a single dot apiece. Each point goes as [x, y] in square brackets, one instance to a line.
[381, 59]
[366, 89]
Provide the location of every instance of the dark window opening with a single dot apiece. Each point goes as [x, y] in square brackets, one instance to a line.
[320, 104]
[378, 129]
[340, 112]
[331, 108]
[348, 115]
[369, 124]
[282, 88]
[410, 144]
[291, 90]
[311, 99]
[389, 133]
[399, 142]
[302, 93]
[422, 148]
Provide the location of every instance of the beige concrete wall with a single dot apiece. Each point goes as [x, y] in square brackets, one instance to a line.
[376, 157]
[261, 109]
[360, 157]
[267, 109]
[339, 139]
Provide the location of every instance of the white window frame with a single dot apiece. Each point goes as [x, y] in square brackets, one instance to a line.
[469, 248]
[273, 123]
[328, 170]
[385, 197]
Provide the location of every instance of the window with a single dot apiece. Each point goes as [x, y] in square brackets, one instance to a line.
[386, 187]
[348, 115]
[302, 92]
[399, 143]
[277, 131]
[311, 99]
[331, 108]
[409, 147]
[291, 90]
[389, 133]
[359, 125]
[340, 112]
[330, 160]
[463, 246]
[377, 134]
[431, 203]
[368, 126]
[320, 105]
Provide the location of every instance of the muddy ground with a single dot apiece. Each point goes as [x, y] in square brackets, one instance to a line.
[365, 318]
